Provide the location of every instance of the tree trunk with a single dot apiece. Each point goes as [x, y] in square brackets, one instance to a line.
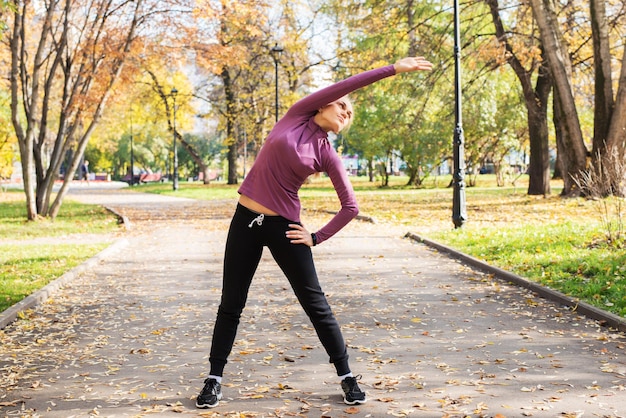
[609, 113]
[603, 98]
[195, 156]
[412, 175]
[231, 141]
[539, 164]
[536, 101]
[575, 158]
[566, 154]
[25, 134]
[616, 139]
[206, 174]
[384, 174]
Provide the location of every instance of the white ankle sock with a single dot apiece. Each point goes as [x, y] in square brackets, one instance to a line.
[218, 378]
[346, 375]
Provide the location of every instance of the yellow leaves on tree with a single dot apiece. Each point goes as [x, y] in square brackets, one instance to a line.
[228, 27]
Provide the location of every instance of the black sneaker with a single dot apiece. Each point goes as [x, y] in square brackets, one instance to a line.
[210, 395]
[352, 394]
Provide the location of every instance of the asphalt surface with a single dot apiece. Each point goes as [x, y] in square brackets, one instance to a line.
[128, 334]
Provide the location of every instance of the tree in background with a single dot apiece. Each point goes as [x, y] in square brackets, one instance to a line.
[609, 140]
[391, 116]
[166, 100]
[232, 46]
[496, 125]
[65, 59]
[143, 108]
[572, 153]
[368, 136]
[520, 49]
[232, 42]
[209, 147]
[566, 34]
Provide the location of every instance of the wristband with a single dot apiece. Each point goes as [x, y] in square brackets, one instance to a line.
[314, 238]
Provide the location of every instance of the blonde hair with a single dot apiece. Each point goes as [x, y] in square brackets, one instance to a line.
[349, 103]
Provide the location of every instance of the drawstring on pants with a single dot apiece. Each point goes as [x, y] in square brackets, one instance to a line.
[258, 220]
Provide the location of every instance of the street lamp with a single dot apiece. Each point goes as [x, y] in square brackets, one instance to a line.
[173, 93]
[459, 215]
[276, 51]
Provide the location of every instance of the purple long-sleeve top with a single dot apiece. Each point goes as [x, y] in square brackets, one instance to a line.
[296, 148]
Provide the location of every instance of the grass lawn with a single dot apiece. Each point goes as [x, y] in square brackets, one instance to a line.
[34, 253]
[560, 243]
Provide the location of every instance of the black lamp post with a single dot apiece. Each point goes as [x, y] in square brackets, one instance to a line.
[173, 93]
[276, 51]
[459, 215]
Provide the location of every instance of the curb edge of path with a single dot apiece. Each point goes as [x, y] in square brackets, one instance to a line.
[605, 318]
[43, 294]
[120, 218]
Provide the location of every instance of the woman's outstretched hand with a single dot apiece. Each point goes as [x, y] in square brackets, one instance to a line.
[408, 64]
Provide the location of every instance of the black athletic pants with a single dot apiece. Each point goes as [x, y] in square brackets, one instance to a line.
[248, 234]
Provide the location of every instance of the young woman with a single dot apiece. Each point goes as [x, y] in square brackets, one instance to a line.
[268, 215]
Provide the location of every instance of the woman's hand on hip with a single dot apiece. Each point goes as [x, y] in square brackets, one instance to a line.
[408, 64]
[299, 235]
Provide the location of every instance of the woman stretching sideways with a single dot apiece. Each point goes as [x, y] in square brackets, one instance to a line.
[268, 215]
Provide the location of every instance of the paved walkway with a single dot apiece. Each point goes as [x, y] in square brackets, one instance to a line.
[130, 336]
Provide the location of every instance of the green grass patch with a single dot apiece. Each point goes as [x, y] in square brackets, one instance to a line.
[27, 268]
[191, 190]
[73, 218]
[565, 256]
[34, 253]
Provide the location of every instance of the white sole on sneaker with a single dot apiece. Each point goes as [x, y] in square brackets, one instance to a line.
[347, 402]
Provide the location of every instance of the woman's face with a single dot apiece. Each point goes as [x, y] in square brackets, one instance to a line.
[335, 116]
